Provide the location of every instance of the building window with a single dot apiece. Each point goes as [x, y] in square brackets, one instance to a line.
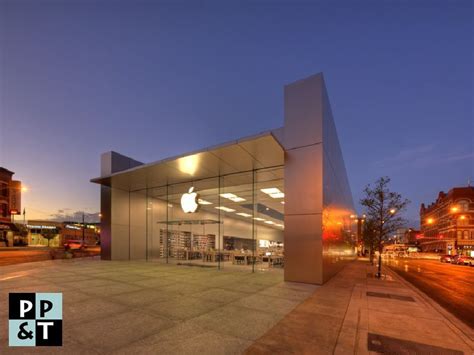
[459, 235]
[464, 205]
[462, 221]
[3, 210]
[466, 234]
[4, 190]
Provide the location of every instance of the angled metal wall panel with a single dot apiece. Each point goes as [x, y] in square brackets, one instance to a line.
[318, 201]
[302, 138]
[338, 246]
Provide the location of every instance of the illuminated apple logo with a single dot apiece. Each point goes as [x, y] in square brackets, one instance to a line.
[189, 201]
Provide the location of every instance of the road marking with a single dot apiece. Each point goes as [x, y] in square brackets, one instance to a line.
[11, 277]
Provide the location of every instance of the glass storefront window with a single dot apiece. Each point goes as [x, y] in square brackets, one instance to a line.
[234, 220]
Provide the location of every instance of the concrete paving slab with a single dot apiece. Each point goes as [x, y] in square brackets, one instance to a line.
[186, 338]
[409, 327]
[185, 288]
[286, 293]
[238, 322]
[181, 307]
[267, 303]
[89, 309]
[218, 295]
[143, 297]
[154, 282]
[116, 331]
[110, 289]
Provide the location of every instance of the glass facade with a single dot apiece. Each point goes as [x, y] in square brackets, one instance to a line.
[280, 198]
[231, 220]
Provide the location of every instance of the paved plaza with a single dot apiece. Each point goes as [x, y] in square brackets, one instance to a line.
[139, 307]
[151, 308]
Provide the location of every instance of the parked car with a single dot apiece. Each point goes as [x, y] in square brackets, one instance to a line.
[446, 258]
[454, 259]
[464, 260]
[74, 244]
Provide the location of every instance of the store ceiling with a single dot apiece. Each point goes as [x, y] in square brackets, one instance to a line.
[257, 152]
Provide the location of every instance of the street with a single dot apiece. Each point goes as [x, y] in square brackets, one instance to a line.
[26, 255]
[452, 286]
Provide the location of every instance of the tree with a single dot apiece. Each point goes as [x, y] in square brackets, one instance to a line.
[48, 234]
[383, 208]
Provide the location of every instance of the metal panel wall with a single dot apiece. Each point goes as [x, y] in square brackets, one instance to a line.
[338, 246]
[105, 223]
[303, 180]
[318, 201]
[138, 219]
[120, 225]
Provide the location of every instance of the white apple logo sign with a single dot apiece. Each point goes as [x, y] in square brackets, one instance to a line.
[189, 201]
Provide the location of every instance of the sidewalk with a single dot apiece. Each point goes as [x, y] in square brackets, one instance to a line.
[357, 313]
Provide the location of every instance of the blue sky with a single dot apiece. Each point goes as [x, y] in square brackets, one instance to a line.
[151, 79]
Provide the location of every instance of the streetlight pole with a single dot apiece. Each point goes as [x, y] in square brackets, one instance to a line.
[83, 228]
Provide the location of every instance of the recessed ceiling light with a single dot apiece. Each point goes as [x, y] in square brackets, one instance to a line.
[243, 214]
[277, 195]
[273, 192]
[269, 222]
[279, 225]
[233, 197]
[204, 202]
[258, 219]
[282, 202]
[223, 208]
[170, 205]
[270, 190]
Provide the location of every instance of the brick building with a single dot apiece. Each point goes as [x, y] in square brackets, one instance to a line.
[10, 201]
[447, 225]
[412, 236]
[10, 195]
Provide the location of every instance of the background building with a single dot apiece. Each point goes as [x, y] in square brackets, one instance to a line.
[10, 195]
[60, 232]
[412, 236]
[280, 197]
[10, 202]
[447, 225]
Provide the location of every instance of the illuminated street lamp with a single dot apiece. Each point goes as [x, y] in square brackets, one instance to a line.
[430, 221]
[454, 209]
[22, 188]
[393, 210]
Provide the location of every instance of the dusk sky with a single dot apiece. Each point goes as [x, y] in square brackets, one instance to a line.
[152, 79]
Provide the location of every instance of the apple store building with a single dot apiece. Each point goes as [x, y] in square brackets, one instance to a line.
[277, 199]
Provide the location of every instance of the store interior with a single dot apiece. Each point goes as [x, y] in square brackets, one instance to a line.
[237, 221]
